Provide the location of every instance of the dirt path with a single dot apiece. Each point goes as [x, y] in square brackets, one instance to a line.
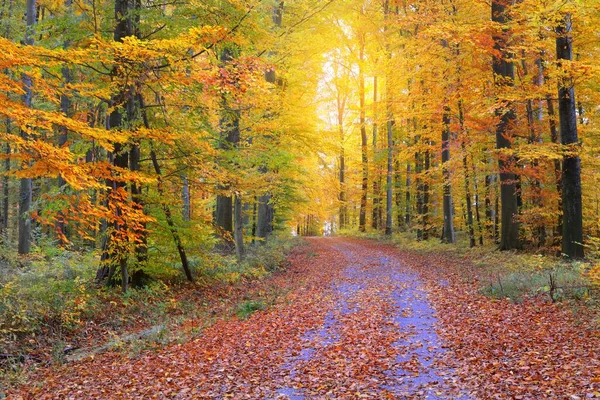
[360, 320]
[381, 313]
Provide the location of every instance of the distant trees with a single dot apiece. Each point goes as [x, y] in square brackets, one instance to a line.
[497, 171]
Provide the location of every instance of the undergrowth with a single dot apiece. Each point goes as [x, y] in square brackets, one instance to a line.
[510, 274]
[48, 298]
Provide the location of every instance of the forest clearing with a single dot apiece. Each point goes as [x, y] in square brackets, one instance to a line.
[299, 199]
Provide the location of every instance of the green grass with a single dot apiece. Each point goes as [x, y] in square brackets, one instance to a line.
[249, 307]
[507, 274]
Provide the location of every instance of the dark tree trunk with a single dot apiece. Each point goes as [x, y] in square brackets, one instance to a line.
[408, 183]
[490, 210]
[448, 229]
[65, 107]
[168, 216]
[26, 187]
[468, 197]
[504, 75]
[554, 137]
[477, 205]
[266, 211]
[426, 196]
[239, 228]
[420, 191]
[230, 137]
[6, 193]
[468, 200]
[572, 243]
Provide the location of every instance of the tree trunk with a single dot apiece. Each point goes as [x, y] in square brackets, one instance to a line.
[390, 167]
[362, 221]
[420, 191]
[554, 136]
[168, 216]
[426, 196]
[65, 107]
[477, 206]
[266, 212]
[572, 243]
[6, 194]
[448, 229]
[230, 135]
[264, 226]
[239, 228]
[407, 194]
[26, 187]
[186, 211]
[376, 195]
[504, 75]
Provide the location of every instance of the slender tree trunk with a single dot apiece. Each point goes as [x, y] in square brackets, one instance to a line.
[390, 163]
[239, 228]
[254, 216]
[448, 230]
[477, 205]
[362, 223]
[572, 243]
[426, 196]
[420, 193]
[343, 207]
[504, 75]
[65, 107]
[170, 222]
[186, 211]
[407, 218]
[376, 195]
[468, 197]
[26, 187]
[6, 193]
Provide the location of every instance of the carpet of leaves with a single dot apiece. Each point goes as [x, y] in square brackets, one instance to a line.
[321, 341]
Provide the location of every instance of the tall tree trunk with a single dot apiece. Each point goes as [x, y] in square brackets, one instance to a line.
[390, 167]
[266, 211]
[420, 192]
[504, 75]
[554, 137]
[426, 195]
[407, 194]
[362, 222]
[26, 187]
[572, 243]
[65, 107]
[6, 194]
[448, 230]
[468, 197]
[376, 195]
[125, 26]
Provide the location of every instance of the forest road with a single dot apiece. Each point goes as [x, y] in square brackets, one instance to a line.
[378, 338]
[351, 320]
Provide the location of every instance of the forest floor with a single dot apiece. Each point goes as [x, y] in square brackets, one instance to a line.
[359, 319]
